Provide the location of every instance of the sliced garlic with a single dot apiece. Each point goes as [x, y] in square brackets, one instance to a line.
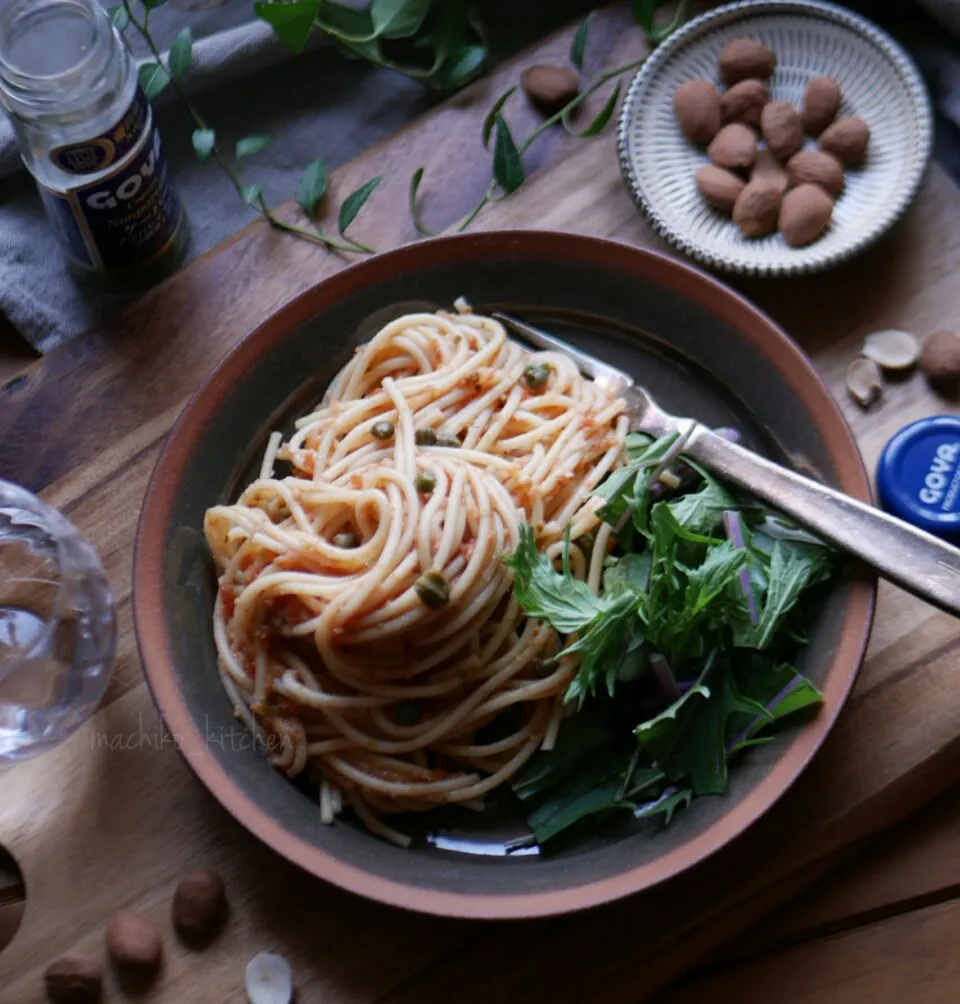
[269, 979]
[864, 381]
[892, 349]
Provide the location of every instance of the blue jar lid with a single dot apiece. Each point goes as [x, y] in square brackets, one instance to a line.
[918, 476]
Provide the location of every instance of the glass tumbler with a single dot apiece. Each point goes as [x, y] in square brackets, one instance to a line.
[57, 626]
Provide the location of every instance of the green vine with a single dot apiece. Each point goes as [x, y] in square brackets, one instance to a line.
[436, 41]
[508, 170]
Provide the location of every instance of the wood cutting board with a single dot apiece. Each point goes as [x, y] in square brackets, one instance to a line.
[110, 819]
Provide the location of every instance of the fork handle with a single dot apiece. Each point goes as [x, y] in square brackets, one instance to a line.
[912, 558]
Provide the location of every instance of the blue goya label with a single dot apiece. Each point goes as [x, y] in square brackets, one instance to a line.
[98, 153]
[125, 219]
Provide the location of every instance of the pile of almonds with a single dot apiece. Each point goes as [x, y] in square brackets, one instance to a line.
[135, 944]
[760, 173]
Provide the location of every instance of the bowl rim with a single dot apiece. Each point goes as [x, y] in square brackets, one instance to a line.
[156, 644]
[730, 14]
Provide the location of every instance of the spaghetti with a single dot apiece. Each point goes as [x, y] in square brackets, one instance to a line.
[365, 621]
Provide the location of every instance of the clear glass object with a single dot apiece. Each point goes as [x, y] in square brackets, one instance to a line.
[87, 134]
[57, 626]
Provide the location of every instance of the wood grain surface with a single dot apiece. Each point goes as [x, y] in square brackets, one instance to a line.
[111, 818]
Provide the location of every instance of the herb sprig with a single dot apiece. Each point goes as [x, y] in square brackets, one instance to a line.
[443, 45]
[507, 163]
[158, 74]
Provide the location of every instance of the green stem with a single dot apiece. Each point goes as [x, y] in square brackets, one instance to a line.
[552, 120]
[236, 179]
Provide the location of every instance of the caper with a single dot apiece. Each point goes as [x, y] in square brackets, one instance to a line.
[433, 590]
[450, 441]
[536, 375]
[407, 713]
[382, 430]
[425, 437]
[425, 481]
[345, 540]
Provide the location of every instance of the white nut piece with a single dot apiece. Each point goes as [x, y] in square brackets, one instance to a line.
[864, 381]
[892, 350]
[269, 979]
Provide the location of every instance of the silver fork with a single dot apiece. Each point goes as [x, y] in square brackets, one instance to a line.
[913, 559]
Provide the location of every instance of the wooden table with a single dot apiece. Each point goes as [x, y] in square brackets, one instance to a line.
[111, 818]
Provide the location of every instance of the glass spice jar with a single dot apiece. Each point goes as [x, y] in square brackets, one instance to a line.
[87, 135]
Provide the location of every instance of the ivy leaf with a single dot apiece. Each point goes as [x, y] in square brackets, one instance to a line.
[313, 185]
[354, 202]
[414, 207]
[251, 193]
[348, 24]
[464, 64]
[153, 78]
[603, 117]
[398, 18]
[490, 120]
[291, 22]
[120, 16]
[579, 42]
[151, 4]
[507, 167]
[250, 145]
[181, 53]
[204, 140]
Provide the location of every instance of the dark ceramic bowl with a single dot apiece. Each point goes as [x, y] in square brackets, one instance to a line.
[703, 351]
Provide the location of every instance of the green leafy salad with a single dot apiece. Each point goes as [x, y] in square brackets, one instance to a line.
[685, 656]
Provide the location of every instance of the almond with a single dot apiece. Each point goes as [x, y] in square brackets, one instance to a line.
[550, 87]
[782, 129]
[719, 186]
[697, 107]
[815, 167]
[199, 906]
[940, 359]
[805, 214]
[73, 979]
[735, 146]
[134, 944]
[745, 57]
[820, 103]
[755, 211]
[847, 139]
[744, 102]
[767, 168]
